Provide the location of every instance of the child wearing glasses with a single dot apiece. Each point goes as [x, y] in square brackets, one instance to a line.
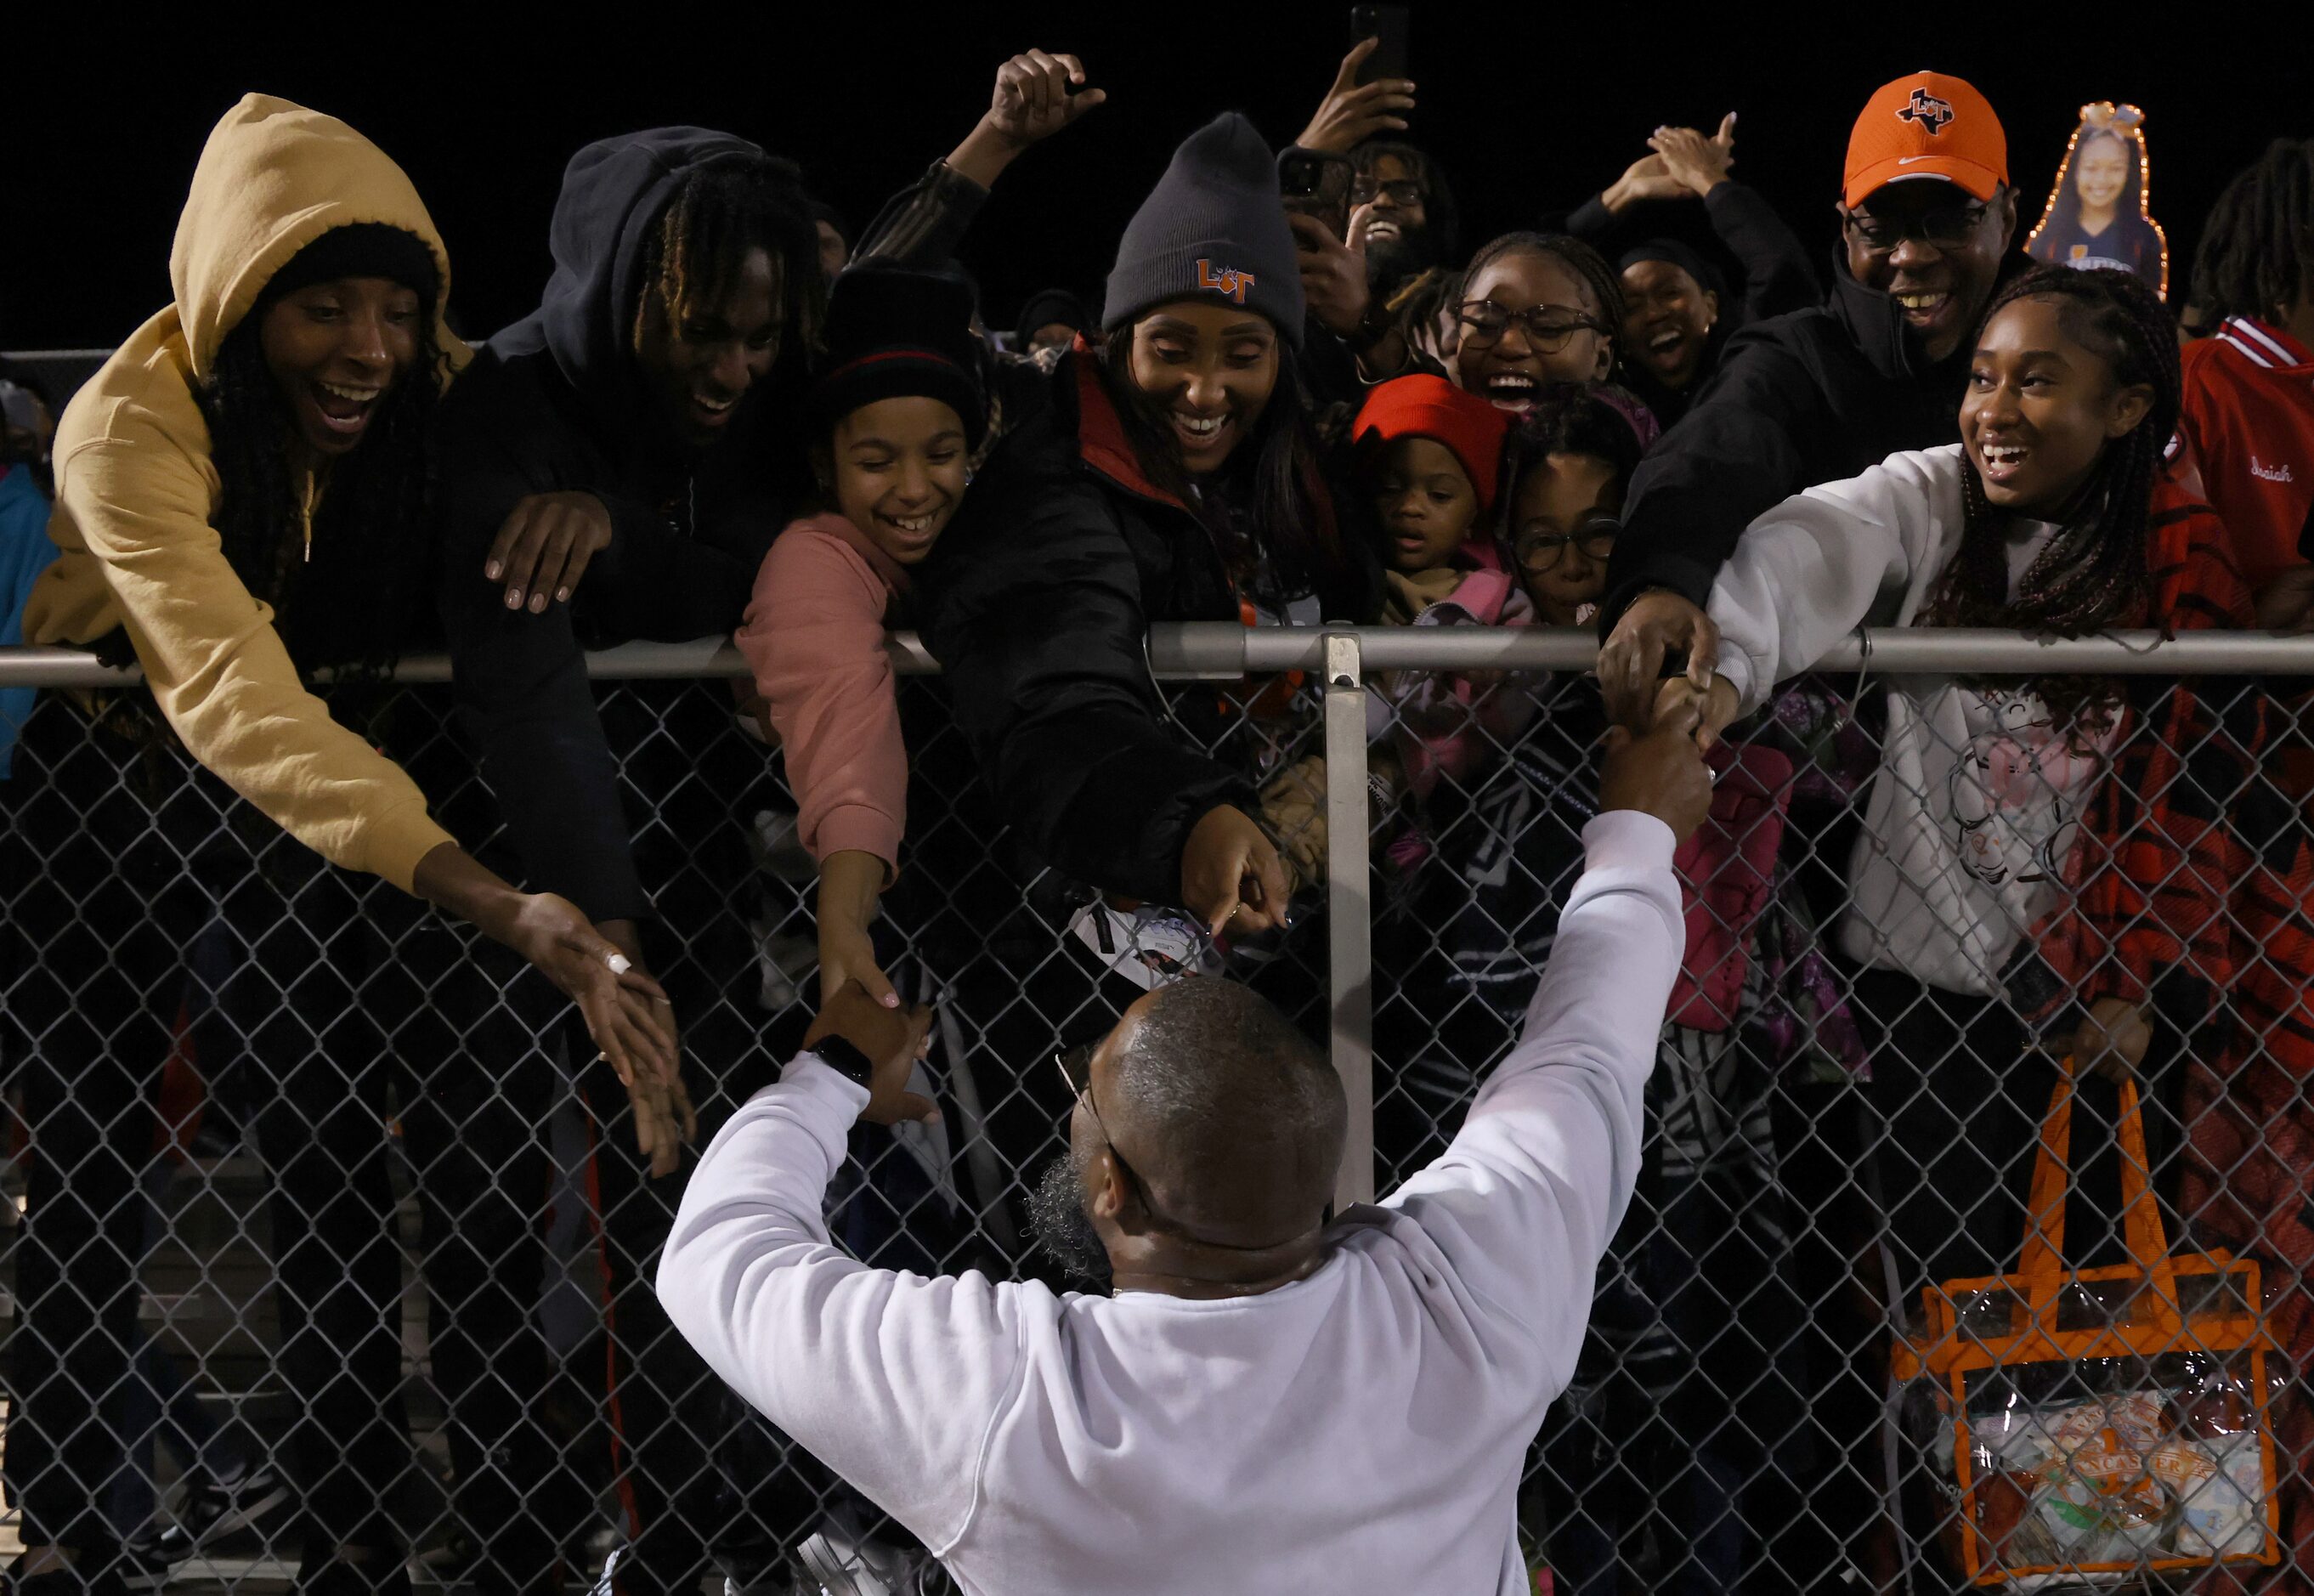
[1711, 1223]
[1537, 309]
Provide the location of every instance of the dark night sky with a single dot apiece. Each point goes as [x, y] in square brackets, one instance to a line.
[1530, 109]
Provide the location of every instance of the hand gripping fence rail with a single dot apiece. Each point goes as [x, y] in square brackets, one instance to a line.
[328, 1236]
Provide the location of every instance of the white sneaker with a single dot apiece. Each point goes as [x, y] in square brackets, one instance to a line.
[836, 1561]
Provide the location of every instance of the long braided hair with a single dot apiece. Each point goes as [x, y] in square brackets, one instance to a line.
[719, 211]
[2257, 253]
[2092, 574]
[1589, 267]
[369, 529]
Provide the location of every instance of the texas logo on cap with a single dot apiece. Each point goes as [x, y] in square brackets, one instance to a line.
[1228, 281]
[1927, 110]
[1926, 124]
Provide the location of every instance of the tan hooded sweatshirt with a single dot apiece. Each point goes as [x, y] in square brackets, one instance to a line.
[136, 486]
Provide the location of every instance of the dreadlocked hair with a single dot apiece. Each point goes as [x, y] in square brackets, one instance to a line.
[343, 597]
[2092, 575]
[2256, 253]
[719, 211]
[1589, 267]
[1269, 516]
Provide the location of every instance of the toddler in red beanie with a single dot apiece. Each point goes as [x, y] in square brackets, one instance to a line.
[1430, 456]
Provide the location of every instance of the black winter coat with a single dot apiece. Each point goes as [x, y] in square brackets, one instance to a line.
[1037, 603]
[1814, 396]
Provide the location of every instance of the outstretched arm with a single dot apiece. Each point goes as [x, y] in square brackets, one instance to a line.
[1524, 1203]
[890, 1379]
[1037, 95]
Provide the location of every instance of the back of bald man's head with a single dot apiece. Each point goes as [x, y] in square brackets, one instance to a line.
[1230, 1114]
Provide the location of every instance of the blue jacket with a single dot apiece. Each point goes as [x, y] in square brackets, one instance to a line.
[25, 552]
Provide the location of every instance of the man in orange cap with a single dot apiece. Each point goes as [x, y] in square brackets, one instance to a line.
[1927, 217]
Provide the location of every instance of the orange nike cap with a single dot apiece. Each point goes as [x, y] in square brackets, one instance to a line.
[1926, 124]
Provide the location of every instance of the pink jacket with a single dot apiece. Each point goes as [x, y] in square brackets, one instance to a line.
[1441, 724]
[813, 635]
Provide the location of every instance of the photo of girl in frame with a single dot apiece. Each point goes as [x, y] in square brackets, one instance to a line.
[2096, 215]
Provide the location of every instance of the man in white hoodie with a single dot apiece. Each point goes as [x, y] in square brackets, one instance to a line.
[1269, 1401]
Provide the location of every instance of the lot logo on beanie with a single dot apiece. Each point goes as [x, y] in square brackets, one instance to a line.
[1229, 280]
[1215, 223]
[1927, 110]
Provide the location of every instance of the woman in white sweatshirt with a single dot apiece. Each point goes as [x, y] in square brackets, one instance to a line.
[1970, 869]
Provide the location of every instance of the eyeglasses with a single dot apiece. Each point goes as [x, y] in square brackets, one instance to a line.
[1404, 192]
[1548, 328]
[1947, 227]
[1543, 551]
[1075, 1065]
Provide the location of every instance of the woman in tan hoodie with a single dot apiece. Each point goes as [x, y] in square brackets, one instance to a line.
[241, 501]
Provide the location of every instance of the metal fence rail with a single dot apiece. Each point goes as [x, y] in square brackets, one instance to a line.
[1823, 1139]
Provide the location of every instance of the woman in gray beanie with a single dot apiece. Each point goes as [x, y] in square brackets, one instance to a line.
[1172, 475]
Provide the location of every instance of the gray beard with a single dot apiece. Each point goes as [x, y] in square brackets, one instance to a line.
[1061, 1230]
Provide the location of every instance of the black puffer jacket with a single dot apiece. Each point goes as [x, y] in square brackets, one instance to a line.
[1814, 396]
[1036, 604]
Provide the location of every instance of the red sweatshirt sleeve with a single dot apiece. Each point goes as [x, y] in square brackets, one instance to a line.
[813, 636]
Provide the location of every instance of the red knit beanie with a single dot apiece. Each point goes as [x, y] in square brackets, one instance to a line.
[1432, 407]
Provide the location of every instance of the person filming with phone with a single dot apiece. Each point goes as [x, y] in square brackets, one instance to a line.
[1265, 1401]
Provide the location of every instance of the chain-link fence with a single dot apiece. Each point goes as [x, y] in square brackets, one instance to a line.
[331, 1243]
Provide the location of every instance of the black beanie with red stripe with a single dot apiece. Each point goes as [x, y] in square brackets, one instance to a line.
[892, 332]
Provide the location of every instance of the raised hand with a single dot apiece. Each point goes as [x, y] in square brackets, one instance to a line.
[1644, 178]
[1036, 95]
[1697, 164]
[1353, 112]
[1031, 100]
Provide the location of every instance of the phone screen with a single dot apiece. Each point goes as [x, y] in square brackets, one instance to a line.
[1388, 24]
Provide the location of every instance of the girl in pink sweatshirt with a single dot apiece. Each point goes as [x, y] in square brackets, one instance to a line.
[901, 410]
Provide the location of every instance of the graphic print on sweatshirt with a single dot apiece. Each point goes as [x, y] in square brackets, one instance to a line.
[2017, 793]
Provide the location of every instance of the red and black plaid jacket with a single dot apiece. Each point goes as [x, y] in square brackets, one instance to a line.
[2196, 856]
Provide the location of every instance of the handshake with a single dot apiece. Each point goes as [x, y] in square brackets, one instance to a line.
[1662, 726]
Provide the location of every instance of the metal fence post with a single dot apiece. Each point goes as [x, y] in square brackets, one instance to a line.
[1349, 912]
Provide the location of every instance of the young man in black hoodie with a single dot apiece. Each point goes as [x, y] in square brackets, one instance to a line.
[1926, 218]
[610, 474]
[615, 467]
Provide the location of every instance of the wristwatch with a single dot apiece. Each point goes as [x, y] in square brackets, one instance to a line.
[846, 1059]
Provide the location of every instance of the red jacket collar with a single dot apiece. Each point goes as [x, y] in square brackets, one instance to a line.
[1100, 434]
[2264, 344]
